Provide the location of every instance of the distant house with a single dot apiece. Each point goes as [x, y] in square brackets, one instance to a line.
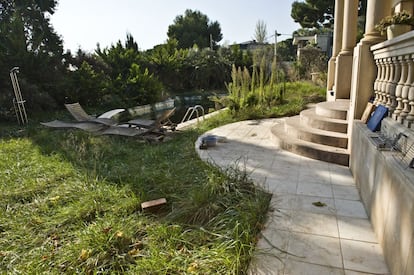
[323, 42]
[252, 45]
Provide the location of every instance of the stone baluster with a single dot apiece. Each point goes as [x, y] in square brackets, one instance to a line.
[396, 71]
[388, 81]
[400, 85]
[406, 88]
[381, 80]
[384, 72]
[410, 116]
[377, 80]
[384, 82]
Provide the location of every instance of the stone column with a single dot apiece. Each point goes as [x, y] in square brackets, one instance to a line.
[344, 60]
[376, 10]
[337, 45]
[364, 69]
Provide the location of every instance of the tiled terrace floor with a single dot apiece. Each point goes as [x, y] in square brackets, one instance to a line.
[299, 237]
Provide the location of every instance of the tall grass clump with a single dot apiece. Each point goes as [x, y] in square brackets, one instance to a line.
[264, 92]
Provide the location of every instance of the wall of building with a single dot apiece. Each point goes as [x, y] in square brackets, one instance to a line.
[386, 187]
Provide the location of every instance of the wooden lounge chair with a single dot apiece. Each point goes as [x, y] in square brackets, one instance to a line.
[123, 130]
[83, 125]
[162, 122]
[79, 114]
[127, 130]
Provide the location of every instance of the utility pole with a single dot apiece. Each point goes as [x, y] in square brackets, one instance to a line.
[275, 57]
[276, 35]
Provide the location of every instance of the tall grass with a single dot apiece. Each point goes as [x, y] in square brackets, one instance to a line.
[287, 99]
[71, 204]
[263, 91]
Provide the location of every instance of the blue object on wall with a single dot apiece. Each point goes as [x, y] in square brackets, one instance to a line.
[374, 123]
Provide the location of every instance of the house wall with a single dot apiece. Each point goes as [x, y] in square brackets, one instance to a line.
[386, 187]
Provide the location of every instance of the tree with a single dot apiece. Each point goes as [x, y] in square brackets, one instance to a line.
[195, 28]
[28, 40]
[319, 13]
[260, 34]
[313, 13]
[286, 51]
[129, 82]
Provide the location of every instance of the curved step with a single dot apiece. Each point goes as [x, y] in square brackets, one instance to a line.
[309, 149]
[333, 109]
[294, 128]
[312, 119]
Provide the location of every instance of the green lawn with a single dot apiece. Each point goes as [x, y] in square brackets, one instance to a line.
[71, 204]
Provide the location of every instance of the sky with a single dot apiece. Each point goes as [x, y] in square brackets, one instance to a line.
[84, 23]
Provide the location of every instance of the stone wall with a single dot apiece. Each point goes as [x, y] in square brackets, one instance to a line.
[386, 187]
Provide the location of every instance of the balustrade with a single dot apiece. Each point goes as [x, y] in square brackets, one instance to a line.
[394, 84]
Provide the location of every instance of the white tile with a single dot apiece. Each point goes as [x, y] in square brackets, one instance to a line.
[314, 164]
[356, 229]
[313, 223]
[265, 265]
[279, 219]
[283, 201]
[314, 175]
[363, 257]
[300, 268]
[345, 192]
[349, 208]
[273, 242]
[309, 204]
[283, 176]
[269, 255]
[342, 178]
[315, 249]
[352, 272]
[315, 189]
[283, 188]
[340, 169]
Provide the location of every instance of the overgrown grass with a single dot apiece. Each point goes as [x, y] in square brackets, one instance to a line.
[296, 95]
[71, 204]
[71, 201]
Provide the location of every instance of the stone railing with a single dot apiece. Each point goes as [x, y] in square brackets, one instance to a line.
[394, 85]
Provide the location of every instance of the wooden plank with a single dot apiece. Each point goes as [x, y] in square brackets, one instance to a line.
[153, 203]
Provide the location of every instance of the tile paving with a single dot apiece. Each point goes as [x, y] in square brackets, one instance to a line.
[299, 237]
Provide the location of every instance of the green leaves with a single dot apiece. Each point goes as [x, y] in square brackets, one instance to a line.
[313, 13]
[194, 28]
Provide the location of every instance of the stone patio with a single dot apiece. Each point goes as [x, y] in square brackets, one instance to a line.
[317, 223]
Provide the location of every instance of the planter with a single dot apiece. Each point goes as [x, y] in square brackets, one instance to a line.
[396, 30]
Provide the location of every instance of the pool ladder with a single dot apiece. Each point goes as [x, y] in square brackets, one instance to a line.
[191, 111]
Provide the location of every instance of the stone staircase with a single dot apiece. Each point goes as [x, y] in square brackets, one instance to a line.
[318, 133]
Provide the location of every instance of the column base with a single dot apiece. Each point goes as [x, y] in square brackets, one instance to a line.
[343, 73]
[363, 77]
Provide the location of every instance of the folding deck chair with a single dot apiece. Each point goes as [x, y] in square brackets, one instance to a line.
[79, 114]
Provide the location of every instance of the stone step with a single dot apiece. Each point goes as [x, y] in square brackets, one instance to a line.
[333, 109]
[296, 129]
[309, 149]
[310, 118]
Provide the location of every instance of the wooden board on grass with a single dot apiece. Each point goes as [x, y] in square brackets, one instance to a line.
[153, 203]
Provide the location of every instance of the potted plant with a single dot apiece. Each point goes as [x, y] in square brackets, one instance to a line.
[396, 24]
